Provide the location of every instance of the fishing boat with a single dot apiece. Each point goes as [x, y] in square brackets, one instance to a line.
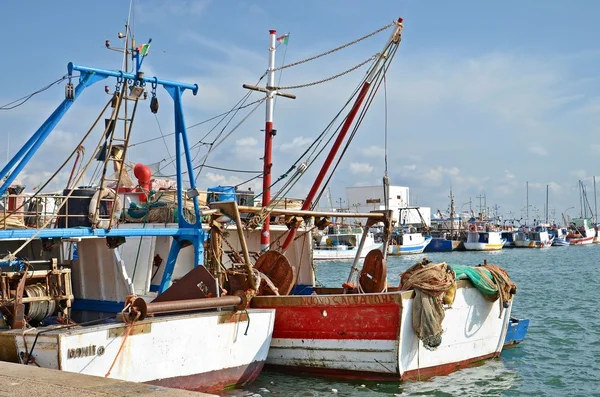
[408, 241]
[482, 237]
[560, 236]
[446, 236]
[581, 232]
[510, 236]
[536, 238]
[443, 244]
[341, 242]
[365, 329]
[97, 311]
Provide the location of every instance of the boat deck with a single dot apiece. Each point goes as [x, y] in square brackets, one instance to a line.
[26, 380]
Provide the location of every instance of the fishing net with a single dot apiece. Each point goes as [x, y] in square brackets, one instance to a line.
[434, 284]
[161, 208]
[491, 280]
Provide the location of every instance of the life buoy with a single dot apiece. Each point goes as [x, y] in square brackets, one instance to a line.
[472, 228]
[116, 212]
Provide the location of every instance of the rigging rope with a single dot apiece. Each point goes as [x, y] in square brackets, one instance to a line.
[11, 256]
[337, 48]
[22, 100]
[197, 124]
[371, 96]
[363, 63]
[162, 135]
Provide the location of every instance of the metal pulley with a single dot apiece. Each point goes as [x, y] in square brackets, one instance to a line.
[69, 91]
[154, 105]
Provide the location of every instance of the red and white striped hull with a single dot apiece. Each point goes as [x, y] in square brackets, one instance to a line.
[581, 240]
[370, 336]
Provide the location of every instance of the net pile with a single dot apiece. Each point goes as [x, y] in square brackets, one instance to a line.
[491, 280]
[434, 284]
[161, 208]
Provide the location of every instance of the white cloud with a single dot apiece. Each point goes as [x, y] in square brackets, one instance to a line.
[555, 187]
[410, 167]
[158, 10]
[297, 143]
[579, 174]
[540, 151]
[360, 168]
[244, 142]
[373, 151]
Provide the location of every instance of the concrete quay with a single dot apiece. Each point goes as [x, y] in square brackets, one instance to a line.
[17, 380]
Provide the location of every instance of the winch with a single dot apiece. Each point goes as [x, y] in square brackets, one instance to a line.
[34, 291]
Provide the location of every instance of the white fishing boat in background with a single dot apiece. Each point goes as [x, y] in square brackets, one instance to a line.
[342, 242]
[537, 238]
[408, 241]
[581, 232]
[482, 237]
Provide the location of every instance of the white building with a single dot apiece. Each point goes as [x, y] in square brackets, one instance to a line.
[370, 198]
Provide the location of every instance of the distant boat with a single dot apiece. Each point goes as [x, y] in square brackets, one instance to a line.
[408, 242]
[480, 238]
[443, 244]
[510, 237]
[446, 233]
[560, 237]
[581, 232]
[341, 242]
[538, 238]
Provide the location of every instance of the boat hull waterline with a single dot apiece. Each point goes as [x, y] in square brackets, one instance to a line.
[164, 351]
[370, 336]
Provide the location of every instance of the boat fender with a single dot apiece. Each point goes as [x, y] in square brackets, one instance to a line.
[93, 215]
[372, 277]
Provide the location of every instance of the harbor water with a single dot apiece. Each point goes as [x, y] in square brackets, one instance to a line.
[558, 291]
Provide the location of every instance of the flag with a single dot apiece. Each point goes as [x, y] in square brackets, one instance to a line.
[143, 49]
[283, 39]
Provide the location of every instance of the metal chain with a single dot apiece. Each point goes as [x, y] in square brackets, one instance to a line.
[335, 49]
[291, 87]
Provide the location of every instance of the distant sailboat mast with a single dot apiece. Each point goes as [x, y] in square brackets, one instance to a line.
[527, 219]
[595, 203]
[546, 204]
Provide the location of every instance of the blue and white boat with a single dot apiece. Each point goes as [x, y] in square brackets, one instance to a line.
[408, 241]
[443, 244]
[560, 236]
[510, 236]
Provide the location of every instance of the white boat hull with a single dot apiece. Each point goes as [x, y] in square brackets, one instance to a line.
[370, 336]
[414, 247]
[482, 247]
[533, 244]
[201, 352]
[343, 254]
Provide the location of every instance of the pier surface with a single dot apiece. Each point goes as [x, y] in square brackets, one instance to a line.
[18, 380]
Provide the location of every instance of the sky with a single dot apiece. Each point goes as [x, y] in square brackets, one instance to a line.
[482, 97]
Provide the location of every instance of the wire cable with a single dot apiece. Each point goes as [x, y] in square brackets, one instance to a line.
[18, 102]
